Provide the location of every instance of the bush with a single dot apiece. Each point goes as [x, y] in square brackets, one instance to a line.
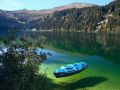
[19, 70]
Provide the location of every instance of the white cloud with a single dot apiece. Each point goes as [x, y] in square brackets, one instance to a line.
[10, 4]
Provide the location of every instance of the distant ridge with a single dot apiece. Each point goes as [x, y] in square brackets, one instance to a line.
[86, 18]
[60, 8]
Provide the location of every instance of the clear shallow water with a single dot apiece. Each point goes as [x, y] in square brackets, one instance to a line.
[100, 51]
[100, 74]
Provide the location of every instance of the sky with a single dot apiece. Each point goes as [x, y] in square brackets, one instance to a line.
[43, 4]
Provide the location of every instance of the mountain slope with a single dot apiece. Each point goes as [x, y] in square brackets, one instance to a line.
[21, 18]
[50, 11]
[89, 19]
[72, 17]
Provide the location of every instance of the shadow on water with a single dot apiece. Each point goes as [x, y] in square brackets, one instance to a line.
[82, 84]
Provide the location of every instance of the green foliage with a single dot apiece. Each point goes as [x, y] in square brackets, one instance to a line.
[20, 69]
[83, 19]
[75, 19]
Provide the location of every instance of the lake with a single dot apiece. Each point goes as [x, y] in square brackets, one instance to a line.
[100, 51]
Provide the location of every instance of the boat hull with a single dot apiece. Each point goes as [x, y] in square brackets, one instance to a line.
[65, 74]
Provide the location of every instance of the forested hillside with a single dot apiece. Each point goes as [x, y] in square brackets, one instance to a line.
[95, 19]
[83, 18]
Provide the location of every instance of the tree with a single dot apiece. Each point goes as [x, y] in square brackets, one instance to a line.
[19, 70]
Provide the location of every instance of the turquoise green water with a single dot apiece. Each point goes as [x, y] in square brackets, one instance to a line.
[100, 75]
[100, 51]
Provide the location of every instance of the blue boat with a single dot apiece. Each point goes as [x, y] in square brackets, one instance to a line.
[70, 69]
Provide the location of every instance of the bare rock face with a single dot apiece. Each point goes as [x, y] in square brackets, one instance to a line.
[24, 16]
[37, 13]
[73, 5]
[74, 16]
[50, 11]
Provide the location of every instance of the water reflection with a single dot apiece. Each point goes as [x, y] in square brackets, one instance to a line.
[105, 45]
